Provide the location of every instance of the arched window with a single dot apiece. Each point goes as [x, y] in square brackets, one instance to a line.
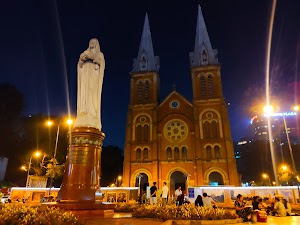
[217, 152]
[210, 85]
[184, 152]
[145, 153]
[138, 154]
[143, 64]
[140, 91]
[139, 132]
[214, 129]
[147, 90]
[169, 153]
[203, 86]
[208, 153]
[204, 57]
[206, 133]
[176, 153]
[146, 132]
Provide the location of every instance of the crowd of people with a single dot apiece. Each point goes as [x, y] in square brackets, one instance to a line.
[244, 207]
[274, 207]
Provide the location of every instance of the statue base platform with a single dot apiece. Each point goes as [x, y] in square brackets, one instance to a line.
[83, 209]
[83, 166]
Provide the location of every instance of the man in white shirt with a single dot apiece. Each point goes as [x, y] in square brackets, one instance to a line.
[164, 194]
[178, 195]
[207, 200]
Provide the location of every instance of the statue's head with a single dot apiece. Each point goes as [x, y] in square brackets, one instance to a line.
[94, 45]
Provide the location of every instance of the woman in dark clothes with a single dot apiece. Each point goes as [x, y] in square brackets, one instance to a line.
[198, 201]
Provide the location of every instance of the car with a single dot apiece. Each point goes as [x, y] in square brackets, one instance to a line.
[5, 199]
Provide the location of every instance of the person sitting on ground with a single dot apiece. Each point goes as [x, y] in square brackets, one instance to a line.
[268, 204]
[288, 207]
[198, 201]
[260, 204]
[179, 196]
[279, 208]
[207, 200]
[255, 203]
[242, 210]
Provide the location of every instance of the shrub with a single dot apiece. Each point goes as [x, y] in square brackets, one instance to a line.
[19, 214]
[184, 212]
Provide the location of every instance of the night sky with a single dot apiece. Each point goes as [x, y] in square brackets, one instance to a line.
[41, 42]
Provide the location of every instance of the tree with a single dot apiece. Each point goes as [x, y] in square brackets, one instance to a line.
[11, 107]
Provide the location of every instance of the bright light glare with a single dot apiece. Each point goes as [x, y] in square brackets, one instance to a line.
[284, 167]
[268, 109]
[296, 107]
[37, 154]
[49, 123]
[69, 121]
[265, 175]
[120, 178]
[23, 168]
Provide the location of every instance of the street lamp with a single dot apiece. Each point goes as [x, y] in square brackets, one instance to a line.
[268, 109]
[36, 154]
[49, 123]
[120, 180]
[266, 176]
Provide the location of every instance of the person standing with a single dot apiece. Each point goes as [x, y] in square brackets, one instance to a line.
[153, 191]
[164, 195]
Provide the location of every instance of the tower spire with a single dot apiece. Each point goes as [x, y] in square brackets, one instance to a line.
[146, 61]
[203, 53]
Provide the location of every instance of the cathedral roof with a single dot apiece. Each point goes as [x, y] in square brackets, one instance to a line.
[203, 53]
[145, 60]
[178, 95]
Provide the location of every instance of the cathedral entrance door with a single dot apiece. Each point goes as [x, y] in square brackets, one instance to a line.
[142, 182]
[177, 179]
[215, 178]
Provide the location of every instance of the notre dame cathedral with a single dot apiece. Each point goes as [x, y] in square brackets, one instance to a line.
[179, 141]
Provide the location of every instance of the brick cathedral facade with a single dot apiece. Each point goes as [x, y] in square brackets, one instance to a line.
[181, 142]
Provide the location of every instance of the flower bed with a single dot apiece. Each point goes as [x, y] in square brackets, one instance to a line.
[42, 215]
[172, 212]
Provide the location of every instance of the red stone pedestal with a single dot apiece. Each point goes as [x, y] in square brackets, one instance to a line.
[82, 171]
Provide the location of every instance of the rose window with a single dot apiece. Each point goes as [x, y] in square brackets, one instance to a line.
[175, 130]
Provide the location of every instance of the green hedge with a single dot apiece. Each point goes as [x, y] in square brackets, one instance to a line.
[19, 214]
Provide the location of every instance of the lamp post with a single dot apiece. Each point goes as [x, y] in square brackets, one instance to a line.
[265, 176]
[296, 108]
[49, 124]
[268, 109]
[119, 181]
[36, 154]
[139, 176]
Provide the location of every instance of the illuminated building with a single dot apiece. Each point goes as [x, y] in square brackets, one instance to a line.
[259, 125]
[175, 140]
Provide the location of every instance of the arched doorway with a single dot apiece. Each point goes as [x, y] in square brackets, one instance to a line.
[215, 179]
[142, 182]
[177, 179]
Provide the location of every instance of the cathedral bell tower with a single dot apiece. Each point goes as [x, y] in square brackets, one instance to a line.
[215, 154]
[140, 150]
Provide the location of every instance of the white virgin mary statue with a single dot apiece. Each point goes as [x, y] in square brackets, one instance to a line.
[90, 69]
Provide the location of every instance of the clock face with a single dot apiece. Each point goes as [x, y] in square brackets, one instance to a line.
[175, 130]
[174, 104]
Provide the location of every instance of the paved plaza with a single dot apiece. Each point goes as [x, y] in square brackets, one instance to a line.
[126, 219]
